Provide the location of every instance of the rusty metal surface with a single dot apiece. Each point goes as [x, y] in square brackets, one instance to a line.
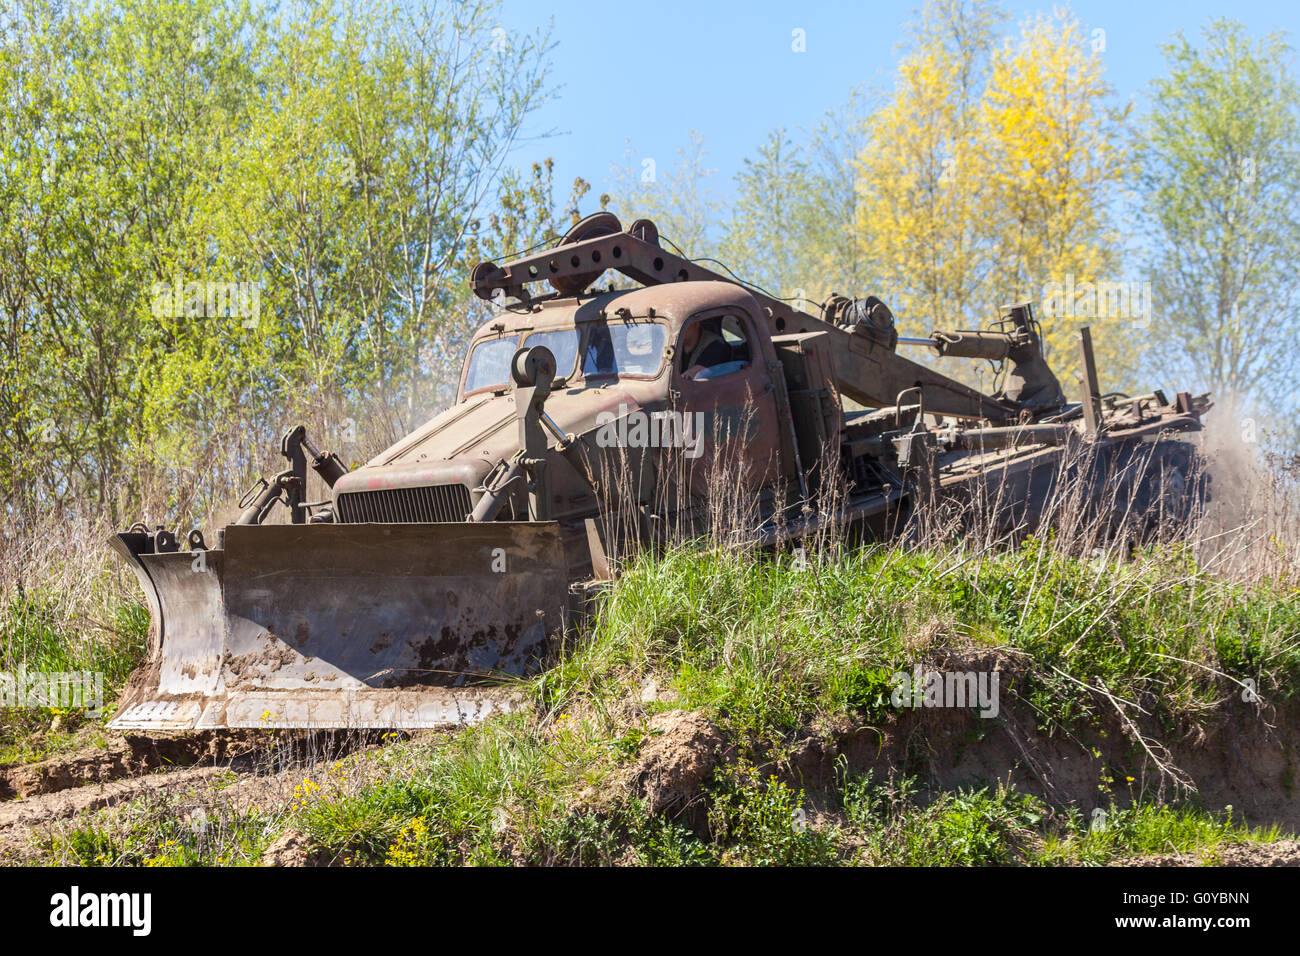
[463, 443]
[350, 625]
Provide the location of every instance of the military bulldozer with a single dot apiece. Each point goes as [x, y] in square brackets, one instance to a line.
[586, 422]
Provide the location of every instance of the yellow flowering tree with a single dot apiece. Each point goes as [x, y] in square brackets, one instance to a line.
[919, 188]
[990, 179]
[1052, 165]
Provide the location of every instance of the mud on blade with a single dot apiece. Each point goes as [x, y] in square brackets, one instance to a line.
[344, 625]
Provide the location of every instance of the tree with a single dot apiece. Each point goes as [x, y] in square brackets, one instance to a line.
[214, 217]
[107, 131]
[919, 215]
[379, 141]
[995, 181]
[837, 140]
[767, 237]
[679, 200]
[791, 225]
[1220, 167]
[1051, 160]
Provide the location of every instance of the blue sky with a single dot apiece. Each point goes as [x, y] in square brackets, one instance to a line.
[652, 71]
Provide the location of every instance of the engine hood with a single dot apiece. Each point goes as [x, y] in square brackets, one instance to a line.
[463, 443]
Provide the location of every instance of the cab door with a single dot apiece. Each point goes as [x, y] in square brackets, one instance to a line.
[729, 408]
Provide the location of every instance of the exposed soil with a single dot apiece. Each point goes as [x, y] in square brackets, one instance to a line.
[124, 756]
[249, 768]
[1245, 757]
[61, 804]
[1281, 853]
[677, 759]
[292, 848]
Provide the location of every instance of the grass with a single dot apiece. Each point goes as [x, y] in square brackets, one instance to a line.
[774, 650]
[753, 820]
[165, 830]
[774, 646]
[493, 795]
[1147, 829]
[36, 634]
[42, 632]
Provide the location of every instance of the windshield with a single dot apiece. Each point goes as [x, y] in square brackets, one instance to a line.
[563, 344]
[632, 349]
[489, 364]
[623, 350]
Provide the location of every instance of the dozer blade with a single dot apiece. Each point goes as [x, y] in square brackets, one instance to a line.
[345, 625]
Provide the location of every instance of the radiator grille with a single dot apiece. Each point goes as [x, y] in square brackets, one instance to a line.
[404, 505]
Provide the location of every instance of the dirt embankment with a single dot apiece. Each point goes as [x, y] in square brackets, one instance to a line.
[1245, 757]
[123, 757]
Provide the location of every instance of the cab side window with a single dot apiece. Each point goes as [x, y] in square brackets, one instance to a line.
[734, 332]
[713, 347]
